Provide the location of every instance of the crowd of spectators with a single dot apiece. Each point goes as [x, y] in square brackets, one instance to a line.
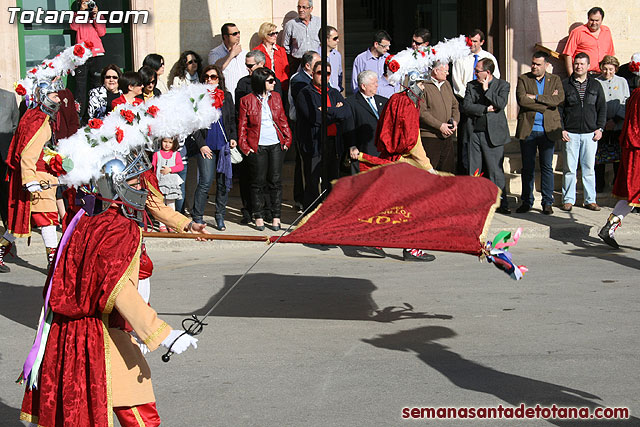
[272, 101]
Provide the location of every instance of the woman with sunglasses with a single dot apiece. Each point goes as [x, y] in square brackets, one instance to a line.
[130, 85]
[186, 70]
[264, 137]
[156, 62]
[149, 80]
[100, 98]
[214, 159]
[276, 56]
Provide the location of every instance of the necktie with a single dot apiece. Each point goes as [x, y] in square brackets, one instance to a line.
[373, 107]
[475, 62]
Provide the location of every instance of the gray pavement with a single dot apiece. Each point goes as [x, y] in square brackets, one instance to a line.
[320, 337]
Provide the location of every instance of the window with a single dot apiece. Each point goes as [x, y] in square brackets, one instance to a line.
[40, 41]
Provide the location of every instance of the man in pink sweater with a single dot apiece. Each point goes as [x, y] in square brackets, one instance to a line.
[89, 73]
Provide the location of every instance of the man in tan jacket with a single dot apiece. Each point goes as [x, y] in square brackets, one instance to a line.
[439, 117]
[539, 127]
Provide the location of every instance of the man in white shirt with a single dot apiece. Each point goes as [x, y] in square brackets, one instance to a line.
[230, 57]
[462, 73]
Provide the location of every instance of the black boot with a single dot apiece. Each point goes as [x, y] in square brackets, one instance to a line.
[606, 233]
[4, 250]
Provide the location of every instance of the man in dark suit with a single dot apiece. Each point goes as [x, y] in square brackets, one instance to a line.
[8, 123]
[484, 102]
[360, 128]
[539, 127]
[298, 81]
[320, 163]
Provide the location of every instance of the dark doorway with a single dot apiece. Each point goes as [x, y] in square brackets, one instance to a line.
[444, 18]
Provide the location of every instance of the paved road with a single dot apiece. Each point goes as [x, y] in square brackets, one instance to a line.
[323, 338]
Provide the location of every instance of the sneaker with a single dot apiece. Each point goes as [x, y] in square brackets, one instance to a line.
[416, 255]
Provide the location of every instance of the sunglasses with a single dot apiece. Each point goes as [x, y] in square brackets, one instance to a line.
[320, 72]
[111, 77]
[271, 80]
[250, 66]
[237, 33]
[414, 41]
[211, 77]
[304, 7]
[193, 61]
[152, 82]
[384, 46]
[335, 38]
[273, 33]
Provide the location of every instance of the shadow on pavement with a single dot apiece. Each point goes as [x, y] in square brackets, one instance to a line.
[306, 297]
[9, 416]
[469, 375]
[21, 304]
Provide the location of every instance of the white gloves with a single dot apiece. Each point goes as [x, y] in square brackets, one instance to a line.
[33, 186]
[182, 343]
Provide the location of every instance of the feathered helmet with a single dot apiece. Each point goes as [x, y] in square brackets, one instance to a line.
[417, 63]
[46, 78]
[111, 151]
[634, 64]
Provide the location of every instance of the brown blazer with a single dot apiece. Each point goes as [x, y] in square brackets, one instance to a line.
[547, 104]
[437, 106]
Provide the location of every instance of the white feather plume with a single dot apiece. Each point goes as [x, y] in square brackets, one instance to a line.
[422, 59]
[180, 112]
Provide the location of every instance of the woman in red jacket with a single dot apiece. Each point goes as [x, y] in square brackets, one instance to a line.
[276, 55]
[264, 137]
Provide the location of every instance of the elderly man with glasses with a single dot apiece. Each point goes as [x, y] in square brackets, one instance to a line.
[230, 57]
[372, 58]
[301, 34]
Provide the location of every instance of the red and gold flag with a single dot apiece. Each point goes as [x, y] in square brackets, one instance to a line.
[401, 206]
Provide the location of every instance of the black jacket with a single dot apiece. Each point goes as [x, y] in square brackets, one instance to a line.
[198, 139]
[583, 116]
[309, 118]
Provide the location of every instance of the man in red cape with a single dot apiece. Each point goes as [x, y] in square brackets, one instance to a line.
[398, 140]
[91, 365]
[627, 185]
[32, 185]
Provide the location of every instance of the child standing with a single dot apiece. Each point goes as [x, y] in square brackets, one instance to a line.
[167, 162]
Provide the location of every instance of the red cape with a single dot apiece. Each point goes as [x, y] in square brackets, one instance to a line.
[398, 127]
[19, 209]
[74, 378]
[627, 185]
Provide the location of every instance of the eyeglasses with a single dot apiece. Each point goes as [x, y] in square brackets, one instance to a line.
[271, 80]
[320, 72]
[479, 71]
[304, 7]
[193, 61]
[237, 33]
[250, 66]
[273, 33]
[335, 38]
[111, 77]
[384, 46]
[211, 77]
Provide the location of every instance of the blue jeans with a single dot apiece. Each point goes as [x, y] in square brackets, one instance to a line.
[206, 173]
[180, 202]
[580, 148]
[537, 141]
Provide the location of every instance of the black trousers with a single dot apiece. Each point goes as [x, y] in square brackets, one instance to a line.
[265, 168]
[441, 153]
[486, 157]
[322, 168]
[87, 77]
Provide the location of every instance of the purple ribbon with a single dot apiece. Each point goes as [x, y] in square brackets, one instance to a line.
[33, 353]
